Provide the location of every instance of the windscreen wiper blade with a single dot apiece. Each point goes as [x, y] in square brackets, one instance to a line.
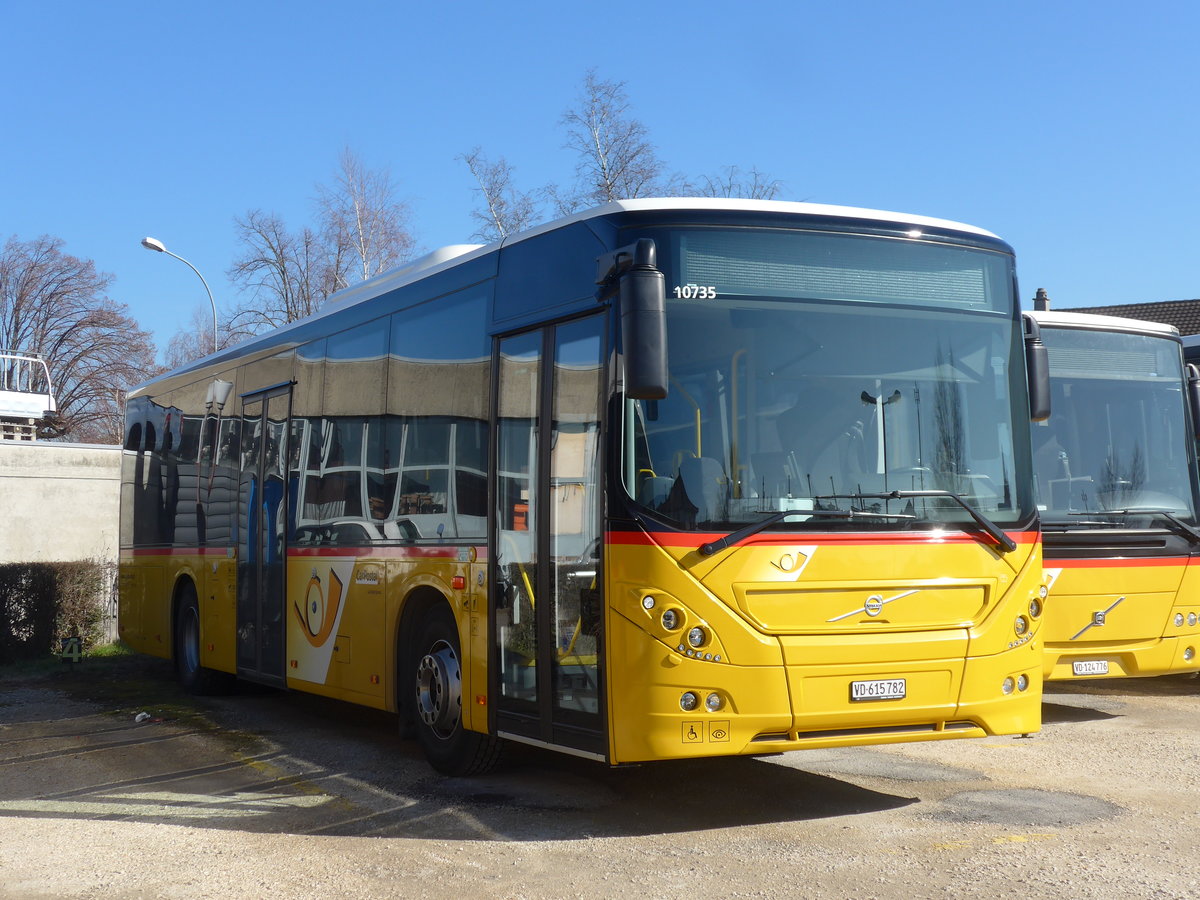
[989, 527]
[754, 528]
[1174, 523]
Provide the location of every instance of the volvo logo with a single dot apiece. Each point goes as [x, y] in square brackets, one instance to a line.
[1099, 618]
[873, 605]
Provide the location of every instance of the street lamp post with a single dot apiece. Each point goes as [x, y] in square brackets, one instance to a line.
[151, 244]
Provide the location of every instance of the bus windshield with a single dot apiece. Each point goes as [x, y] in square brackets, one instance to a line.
[815, 371]
[1117, 441]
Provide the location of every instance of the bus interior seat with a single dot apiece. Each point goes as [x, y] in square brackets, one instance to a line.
[705, 485]
[654, 490]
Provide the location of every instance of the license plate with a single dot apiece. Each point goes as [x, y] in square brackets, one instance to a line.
[1090, 667]
[883, 689]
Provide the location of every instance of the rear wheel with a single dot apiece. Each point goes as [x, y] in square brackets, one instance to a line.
[436, 683]
[195, 678]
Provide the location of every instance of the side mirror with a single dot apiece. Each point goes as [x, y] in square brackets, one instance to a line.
[641, 293]
[1193, 392]
[1037, 371]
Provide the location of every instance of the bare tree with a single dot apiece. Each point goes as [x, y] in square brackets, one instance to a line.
[732, 183]
[505, 209]
[364, 225]
[193, 341]
[615, 159]
[55, 305]
[287, 276]
[362, 231]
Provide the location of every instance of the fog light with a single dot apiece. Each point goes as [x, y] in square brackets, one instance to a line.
[1021, 625]
[713, 702]
[1035, 607]
[1008, 685]
[688, 701]
[1178, 620]
[671, 619]
[1189, 653]
[697, 637]
[1022, 682]
[647, 603]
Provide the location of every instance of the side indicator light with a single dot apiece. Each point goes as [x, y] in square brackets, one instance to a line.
[374, 679]
[458, 582]
[295, 664]
[481, 699]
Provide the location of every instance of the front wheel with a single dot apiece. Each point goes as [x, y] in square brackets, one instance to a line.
[195, 678]
[436, 680]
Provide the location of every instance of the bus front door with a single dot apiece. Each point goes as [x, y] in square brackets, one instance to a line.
[261, 542]
[547, 615]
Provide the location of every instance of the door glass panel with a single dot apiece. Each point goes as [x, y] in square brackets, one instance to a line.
[575, 518]
[249, 538]
[264, 503]
[516, 519]
[272, 515]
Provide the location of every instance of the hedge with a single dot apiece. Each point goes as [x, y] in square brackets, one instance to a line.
[43, 603]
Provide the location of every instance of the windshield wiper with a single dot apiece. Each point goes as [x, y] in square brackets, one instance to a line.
[989, 527]
[754, 528]
[1174, 523]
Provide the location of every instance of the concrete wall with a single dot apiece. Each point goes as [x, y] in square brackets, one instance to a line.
[58, 502]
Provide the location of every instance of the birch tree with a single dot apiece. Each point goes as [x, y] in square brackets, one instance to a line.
[505, 209]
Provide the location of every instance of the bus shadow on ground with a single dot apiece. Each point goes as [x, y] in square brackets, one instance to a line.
[278, 763]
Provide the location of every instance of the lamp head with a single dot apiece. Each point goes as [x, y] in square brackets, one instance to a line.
[152, 244]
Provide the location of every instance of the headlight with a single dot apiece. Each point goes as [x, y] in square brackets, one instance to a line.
[1035, 608]
[1022, 682]
[1008, 685]
[1178, 620]
[697, 637]
[713, 702]
[1192, 619]
[1021, 625]
[671, 619]
[688, 701]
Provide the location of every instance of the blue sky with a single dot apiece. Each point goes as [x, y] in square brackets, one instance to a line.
[1068, 128]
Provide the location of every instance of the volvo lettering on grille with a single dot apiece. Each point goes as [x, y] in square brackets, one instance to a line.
[873, 605]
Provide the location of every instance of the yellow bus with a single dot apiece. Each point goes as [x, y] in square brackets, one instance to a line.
[1117, 489]
[664, 479]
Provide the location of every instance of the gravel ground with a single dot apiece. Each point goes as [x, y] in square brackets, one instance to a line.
[278, 795]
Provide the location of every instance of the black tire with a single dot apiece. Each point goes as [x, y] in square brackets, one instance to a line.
[435, 686]
[194, 678]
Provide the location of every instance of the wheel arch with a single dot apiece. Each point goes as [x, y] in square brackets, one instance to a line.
[416, 604]
[183, 581]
